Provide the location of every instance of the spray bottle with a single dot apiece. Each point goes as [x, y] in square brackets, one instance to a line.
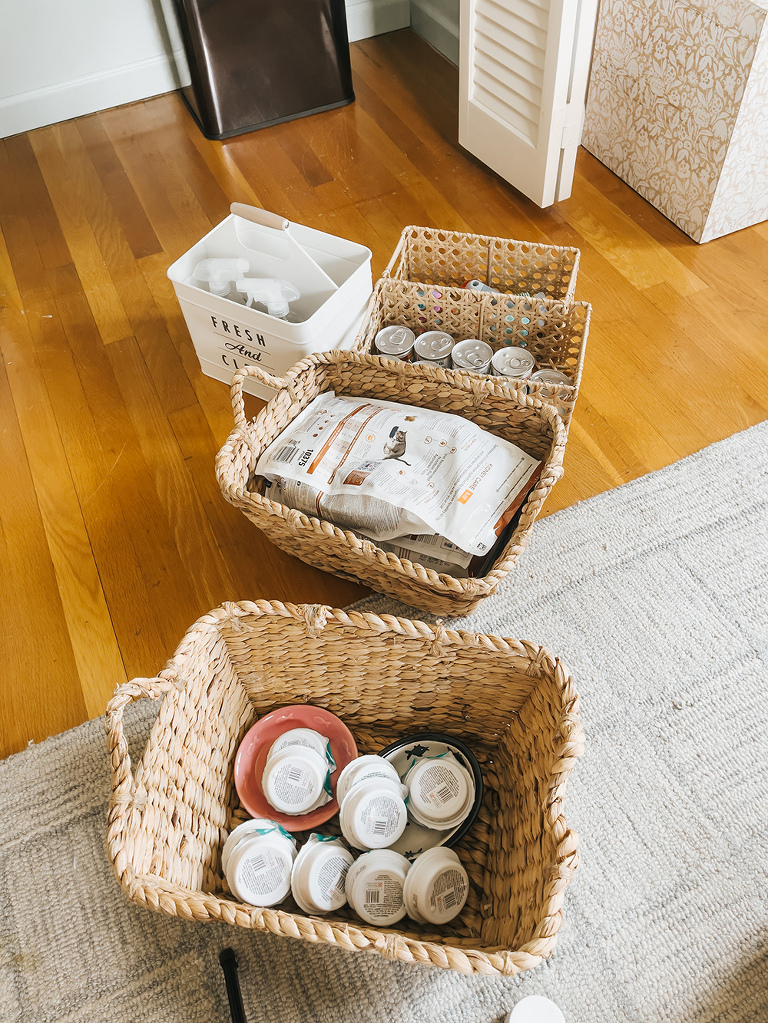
[272, 292]
[219, 274]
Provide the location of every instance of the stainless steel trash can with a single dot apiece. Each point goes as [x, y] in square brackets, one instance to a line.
[258, 62]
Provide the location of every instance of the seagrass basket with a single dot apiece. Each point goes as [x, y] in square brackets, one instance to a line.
[431, 255]
[511, 701]
[503, 410]
[555, 332]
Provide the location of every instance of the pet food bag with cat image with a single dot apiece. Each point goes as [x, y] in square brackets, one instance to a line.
[386, 469]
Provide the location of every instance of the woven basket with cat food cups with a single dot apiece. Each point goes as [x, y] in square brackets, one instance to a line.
[511, 701]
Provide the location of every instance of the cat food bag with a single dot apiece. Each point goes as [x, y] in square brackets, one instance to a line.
[387, 470]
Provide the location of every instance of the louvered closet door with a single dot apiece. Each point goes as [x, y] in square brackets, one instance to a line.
[523, 72]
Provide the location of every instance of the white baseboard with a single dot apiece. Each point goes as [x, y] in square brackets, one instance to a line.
[366, 18]
[85, 95]
[438, 26]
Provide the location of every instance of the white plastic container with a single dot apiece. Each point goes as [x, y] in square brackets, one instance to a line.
[361, 769]
[295, 780]
[441, 792]
[375, 884]
[302, 737]
[373, 814]
[318, 879]
[259, 862]
[436, 887]
[332, 275]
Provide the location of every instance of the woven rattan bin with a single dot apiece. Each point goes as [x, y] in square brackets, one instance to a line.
[513, 702]
[522, 419]
[434, 256]
[554, 332]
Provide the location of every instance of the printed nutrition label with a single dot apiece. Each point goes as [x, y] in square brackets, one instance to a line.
[380, 817]
[383, 896]
[291, 784]
[261, 874]
[449, 891]
[438, 784]
[331, 878]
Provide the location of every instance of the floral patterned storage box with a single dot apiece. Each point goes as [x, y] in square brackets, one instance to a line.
[678, 108]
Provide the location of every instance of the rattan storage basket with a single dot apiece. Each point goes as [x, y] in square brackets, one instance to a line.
[433, 256]
[512, 702]
[554, 332]
[519, 418]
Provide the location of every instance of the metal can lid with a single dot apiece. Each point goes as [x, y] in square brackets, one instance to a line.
[394, 340]
[472, 353]
[550, 376]
[434, 344]
[513, 362]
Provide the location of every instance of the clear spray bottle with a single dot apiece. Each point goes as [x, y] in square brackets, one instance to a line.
[272, 292]
[219, 274]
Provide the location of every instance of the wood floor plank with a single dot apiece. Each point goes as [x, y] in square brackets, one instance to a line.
[67, 187]
[134, 222]
[42, 692]
[99, 665]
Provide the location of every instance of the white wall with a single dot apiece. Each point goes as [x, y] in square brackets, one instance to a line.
[59, 60]
[437, 21]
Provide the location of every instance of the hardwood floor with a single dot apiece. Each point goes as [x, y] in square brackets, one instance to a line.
[114, 536]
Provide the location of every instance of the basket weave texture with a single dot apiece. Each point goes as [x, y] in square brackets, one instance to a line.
[554, 332]
[434, 256]
[512, 701]
[503, 410]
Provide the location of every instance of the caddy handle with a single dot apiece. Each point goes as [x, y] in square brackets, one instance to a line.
[259, 216]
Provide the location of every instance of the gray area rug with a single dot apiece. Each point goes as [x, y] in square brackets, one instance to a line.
[654, 596]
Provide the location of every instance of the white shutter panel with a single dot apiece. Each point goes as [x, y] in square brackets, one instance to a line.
[523, 73]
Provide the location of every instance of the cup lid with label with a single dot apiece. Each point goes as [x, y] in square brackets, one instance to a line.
[375, 886]
[441, 791]
[436, 887]
[294, 779]
[368, 766]
[318, 880]
[256, 826]
[373, 815]
[259, 868]
[301, 737]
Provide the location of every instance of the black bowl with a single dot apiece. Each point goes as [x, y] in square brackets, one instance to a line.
[426, 742]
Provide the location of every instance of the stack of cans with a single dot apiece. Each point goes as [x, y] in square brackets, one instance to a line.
[437, 348]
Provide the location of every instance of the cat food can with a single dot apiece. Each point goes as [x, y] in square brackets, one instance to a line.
[395, 342]
[553, 387]
[513, 363]
[434, 347]
[472, 355]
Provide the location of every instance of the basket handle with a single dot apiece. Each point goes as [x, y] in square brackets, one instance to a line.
[129, 692]
[236, 389]
[258, 216]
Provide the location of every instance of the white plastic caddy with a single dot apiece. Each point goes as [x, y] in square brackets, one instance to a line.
[333, 276]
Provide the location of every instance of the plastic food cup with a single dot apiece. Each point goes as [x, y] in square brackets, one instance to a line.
[294, 780]
[259, 866]
[319, 874]
[361, 769]
[441, 792]
[436, 887]
[373, 814]
[301, 737]
[375, 886]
